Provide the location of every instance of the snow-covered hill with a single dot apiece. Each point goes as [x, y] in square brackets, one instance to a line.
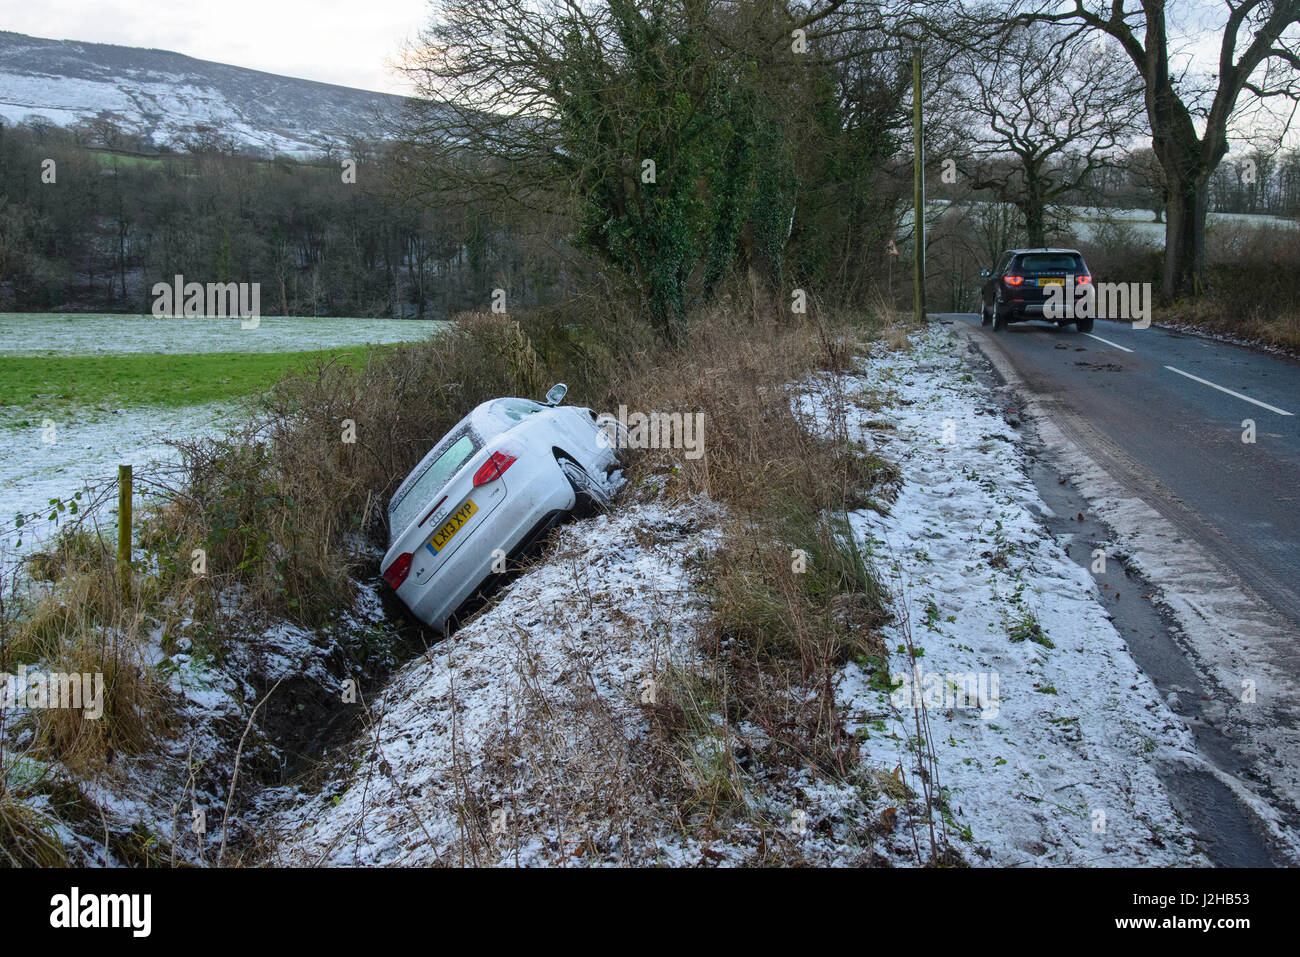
[164, 96]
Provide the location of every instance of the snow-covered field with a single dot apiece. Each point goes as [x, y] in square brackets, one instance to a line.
[38, 464]
[46, 333]
[1093, 223]
[33, 471]
[1089, 223]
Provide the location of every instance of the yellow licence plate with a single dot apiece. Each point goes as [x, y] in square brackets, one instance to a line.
[1052, 281]
[453, 525]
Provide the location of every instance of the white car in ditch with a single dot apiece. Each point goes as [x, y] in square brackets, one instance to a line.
[491, 488]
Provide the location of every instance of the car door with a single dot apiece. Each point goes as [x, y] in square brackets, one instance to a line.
[989, 295]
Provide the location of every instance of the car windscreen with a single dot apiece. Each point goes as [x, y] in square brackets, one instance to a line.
[421, 492]
[1051, 262]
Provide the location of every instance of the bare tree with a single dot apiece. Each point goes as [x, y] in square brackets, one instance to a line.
[1147, 178]
[1046, 110]
[1190, 115]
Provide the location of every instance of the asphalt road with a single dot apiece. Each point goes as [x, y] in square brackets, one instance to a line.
[1175, 406]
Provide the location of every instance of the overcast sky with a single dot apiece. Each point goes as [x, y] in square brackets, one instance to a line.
[352, 42]
[337, 41]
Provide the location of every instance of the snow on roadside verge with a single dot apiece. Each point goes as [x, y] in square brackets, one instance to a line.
[1227, 633]
[512, 742]
[525, 740]
[1053, 760]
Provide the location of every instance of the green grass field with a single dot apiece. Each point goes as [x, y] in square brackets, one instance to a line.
[107, 159]
[32, 387]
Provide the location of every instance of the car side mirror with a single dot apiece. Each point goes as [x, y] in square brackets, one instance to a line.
[557, 393]
[985, 273]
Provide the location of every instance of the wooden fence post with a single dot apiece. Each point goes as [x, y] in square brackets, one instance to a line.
[124, 529]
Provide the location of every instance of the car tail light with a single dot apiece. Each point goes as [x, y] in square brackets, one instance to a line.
[396, 573]
[493, 468]
[1082, 280]
[1013, 280]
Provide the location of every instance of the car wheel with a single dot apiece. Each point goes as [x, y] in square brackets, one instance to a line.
[999, 319]
[986, 315]
[585, 489]
[1083, 325]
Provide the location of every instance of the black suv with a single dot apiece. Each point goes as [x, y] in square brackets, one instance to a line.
[1017, 287]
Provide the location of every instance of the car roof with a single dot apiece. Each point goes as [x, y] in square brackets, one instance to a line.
[493, 417]
[1045, 249]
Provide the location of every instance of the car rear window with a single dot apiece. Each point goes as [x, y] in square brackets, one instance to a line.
[1051, 262]
[420, 493]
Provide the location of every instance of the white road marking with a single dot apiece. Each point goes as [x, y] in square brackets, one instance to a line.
[1262, 405]
[1108, 342]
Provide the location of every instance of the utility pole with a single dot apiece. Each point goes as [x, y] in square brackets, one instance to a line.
[918, 188]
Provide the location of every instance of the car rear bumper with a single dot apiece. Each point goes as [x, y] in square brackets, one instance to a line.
[1025, 309]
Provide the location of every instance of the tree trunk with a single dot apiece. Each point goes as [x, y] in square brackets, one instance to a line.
[1032, 203]
[121, 255]
[1184, 273]
[1035, 223]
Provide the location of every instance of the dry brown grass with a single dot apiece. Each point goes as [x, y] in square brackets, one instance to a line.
[27, 838]
[776, 638]
[132, 709]
[735, 368]
[82, 622]
[1242, 321]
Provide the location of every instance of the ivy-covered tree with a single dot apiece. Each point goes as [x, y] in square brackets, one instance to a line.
[671, 134]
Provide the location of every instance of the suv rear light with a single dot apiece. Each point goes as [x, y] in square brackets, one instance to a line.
[1082, 280]
[493, 468]
[1013, 280]
[396, 573]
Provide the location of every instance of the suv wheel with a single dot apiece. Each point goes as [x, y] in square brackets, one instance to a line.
[999, 319]
[1083, 325]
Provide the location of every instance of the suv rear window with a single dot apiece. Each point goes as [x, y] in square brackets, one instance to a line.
[419, 494]
[1051, 262]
